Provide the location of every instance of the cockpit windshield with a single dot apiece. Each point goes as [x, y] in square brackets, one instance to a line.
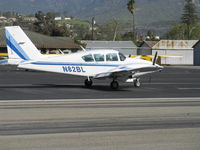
[122, 57]
[99, 57]
[111, 57]
[88, 58]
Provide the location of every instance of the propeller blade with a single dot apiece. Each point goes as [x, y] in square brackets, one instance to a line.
[155, 57]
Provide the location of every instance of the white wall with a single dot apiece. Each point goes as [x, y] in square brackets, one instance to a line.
[186, 59]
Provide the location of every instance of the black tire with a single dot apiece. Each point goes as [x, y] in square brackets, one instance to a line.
[88, 83]
[114, 85]
[137, 83]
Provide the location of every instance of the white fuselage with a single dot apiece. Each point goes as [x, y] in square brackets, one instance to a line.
[75, 64]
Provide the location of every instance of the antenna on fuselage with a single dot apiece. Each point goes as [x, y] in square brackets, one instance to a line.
[83, 48]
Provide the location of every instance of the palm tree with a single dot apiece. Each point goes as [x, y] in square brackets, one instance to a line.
[131, 9]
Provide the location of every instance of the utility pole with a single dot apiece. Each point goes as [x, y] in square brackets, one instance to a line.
[115, 31]
[93, 22]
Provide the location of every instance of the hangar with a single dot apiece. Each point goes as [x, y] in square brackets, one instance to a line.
[185, 48]
[196, 48]
[146, 47]
[125, 47]
[42, 42]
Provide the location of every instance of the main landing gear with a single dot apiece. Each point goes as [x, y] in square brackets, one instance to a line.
[114, 85]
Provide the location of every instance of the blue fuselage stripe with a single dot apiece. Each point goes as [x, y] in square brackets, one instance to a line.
[72, 64]
[15, 50]
[15, 47]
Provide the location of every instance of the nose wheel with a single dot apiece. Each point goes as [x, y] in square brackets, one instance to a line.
[114, 85]
[88, 83]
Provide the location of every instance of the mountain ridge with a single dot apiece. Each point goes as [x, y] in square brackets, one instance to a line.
[149, 13]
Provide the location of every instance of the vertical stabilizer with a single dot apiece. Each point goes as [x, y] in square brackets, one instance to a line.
[19, 45]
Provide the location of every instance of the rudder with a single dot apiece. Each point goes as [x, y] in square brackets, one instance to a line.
[19, 45]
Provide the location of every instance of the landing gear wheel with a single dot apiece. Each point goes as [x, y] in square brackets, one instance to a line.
[137, 83]
[114, 85]
[88, 83]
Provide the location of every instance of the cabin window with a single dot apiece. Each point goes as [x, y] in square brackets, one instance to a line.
[122, 57]
[99, 57]
[111, 57]
[88, 58]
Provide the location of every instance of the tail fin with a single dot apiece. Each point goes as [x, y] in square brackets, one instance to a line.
[19, 45]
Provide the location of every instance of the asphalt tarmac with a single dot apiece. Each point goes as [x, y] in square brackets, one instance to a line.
[157, 124]
[16, 84]
[40, 110]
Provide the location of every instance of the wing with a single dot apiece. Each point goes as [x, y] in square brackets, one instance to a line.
[129, 70]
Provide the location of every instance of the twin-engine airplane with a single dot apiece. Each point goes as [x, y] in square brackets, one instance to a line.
[93, 64]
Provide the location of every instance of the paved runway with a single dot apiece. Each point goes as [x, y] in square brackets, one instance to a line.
[158, 124]
[33, 116]
[20, 84]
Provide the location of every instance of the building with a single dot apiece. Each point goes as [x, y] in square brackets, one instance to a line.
[176, 47]
[183, 48]
[43, 42]
[196, 48]
[125, 47]
[32, 19]
[67, 18]
[3, 19]
[146, 47]
[12, 19]
[58, 18]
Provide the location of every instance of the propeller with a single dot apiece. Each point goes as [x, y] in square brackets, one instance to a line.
[155, 57]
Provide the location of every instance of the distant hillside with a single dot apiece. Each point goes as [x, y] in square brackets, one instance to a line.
[154, 14]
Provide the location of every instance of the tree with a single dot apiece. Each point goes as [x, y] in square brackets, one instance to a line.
[177, 32]
[81, 32]
[110, 30]
[46, 24]
[151, 35]
[131, 9]
[189, 27]
[65, 13]
[189, 17]
[7, 14]
[115, 29]
[50, 17]
[127, 36]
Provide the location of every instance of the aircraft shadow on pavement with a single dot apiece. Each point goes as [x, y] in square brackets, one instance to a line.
[57, 86]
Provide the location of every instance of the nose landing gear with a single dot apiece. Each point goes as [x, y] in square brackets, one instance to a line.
[137, 83]
[88, 83]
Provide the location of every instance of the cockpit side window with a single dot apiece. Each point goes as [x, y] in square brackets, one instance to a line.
[112, 57]
[99, 57]
[122, 57]
[88, 58]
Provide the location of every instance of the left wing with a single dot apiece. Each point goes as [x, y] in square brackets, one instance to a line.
[126, 71]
